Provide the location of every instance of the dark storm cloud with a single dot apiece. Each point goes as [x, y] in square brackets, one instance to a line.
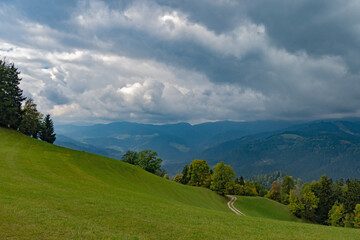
[168, 61]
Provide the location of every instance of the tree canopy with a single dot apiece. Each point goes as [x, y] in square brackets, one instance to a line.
[198, 173]
[47, 130]
[146, 159]
[10, 96]
[31, 120]
[222, 176]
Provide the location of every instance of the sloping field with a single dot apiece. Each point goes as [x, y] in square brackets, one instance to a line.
[49, 192]
[264, 208]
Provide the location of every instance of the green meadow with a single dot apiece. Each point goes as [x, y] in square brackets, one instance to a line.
[50, 192]
[264, 208]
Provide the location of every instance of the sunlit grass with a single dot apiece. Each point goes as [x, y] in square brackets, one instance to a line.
[49, 192]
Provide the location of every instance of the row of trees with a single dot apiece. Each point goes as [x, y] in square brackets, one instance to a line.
[328, 202]
[25, 118]
[147, 160]
[322, 201]
[221, 178]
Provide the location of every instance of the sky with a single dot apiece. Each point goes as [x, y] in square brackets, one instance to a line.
[162, 61]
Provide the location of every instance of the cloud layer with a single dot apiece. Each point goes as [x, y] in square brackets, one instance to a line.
[194, 61]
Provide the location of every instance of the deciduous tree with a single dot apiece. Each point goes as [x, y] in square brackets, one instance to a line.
[357, 216]
[178, 178]
[31, 120]
[198, 173]
[274, 192]
[130, 157]
[223, 175]
[310, 202]
[337, 215]
[149, 161]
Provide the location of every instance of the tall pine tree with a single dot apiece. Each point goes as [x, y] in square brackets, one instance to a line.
[47, 130]
[10, 96]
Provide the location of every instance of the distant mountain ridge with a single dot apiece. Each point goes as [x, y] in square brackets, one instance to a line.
[306, 151]
[178, 144]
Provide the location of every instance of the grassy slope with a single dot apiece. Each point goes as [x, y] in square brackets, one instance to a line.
[264, 208]
[48, 192]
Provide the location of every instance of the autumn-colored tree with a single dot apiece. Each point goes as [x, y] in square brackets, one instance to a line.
[178, 178]
[274, 192]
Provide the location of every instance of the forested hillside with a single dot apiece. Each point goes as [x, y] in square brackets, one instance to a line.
[306, 151]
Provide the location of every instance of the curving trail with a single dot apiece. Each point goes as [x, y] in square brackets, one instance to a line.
[231, 205]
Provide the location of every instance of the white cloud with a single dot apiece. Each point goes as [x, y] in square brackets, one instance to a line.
[170, 25]
[117, 87]
[86, 74]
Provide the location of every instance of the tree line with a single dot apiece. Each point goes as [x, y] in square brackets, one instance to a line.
[327, 202]
[221, 179]
[26, 119]
[323, 201]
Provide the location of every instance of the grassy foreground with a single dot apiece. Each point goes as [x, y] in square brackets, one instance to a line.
[264, 208]
[49, 192]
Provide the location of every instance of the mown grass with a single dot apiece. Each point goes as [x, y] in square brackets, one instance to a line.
[264, 208]
[49, 192]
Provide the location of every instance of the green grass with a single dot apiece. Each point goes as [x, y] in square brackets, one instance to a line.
[264, 208]
[49, 192]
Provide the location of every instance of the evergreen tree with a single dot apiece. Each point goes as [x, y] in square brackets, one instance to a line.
[47, 130]
[10, 96]
[31, 120]
[287, 185]
[324, 191]
[241, 181]
[184, 172]
[351, 195]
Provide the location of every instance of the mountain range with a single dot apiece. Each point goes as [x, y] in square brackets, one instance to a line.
[177, 144]
[305, 150]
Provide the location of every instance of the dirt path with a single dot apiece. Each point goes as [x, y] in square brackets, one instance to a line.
[231, 205]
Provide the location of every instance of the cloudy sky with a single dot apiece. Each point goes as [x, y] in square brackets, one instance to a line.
[191, 61]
